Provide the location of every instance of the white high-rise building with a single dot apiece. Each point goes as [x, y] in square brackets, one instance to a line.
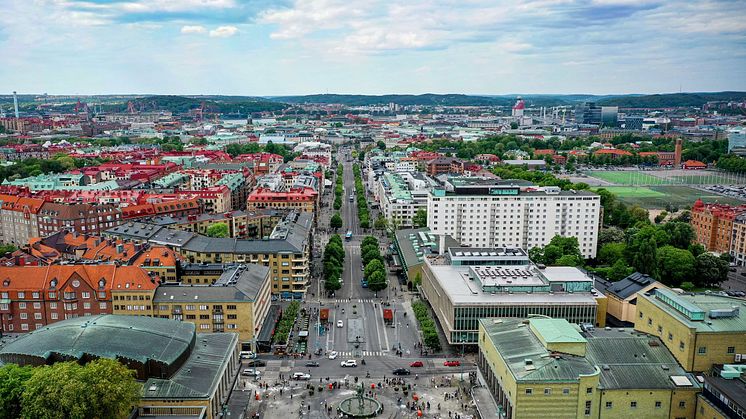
[513, 213]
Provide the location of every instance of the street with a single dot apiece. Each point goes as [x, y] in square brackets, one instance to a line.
[364, 334]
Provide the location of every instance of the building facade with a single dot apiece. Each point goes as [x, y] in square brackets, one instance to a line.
[700, 330]
[467, 284]
[491, 213]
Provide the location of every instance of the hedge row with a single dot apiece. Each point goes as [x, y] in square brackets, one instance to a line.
[362, 202]
[282, 331]
[427, 325]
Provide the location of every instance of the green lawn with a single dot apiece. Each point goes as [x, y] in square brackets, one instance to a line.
[657, 197]
[628, 177]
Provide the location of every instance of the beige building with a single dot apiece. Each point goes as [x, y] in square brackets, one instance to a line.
[238, 302]
[700, 330]
[548, 368]
[621, 296]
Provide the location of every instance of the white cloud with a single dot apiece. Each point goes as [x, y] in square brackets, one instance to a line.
[223, 32]
[193, 29]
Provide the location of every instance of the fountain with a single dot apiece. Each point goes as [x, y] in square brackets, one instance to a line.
[360, 406]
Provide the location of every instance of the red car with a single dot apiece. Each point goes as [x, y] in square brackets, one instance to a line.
[451, 363]
[416, 364]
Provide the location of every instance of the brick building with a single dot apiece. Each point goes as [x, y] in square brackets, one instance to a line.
[713, 225]
[34, 296]
[79, 218]
[441, 165]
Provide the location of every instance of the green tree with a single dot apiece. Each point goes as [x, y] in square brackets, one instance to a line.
[710, 270]
[12, 382]
[419, 220]
[218, 230]
[569, 260]
[381, 145]
[610, 235]
[620, 270]
[373, 266]
[610, 253]
[381, 223]
[377, 280]
[674, 265]
[103, 388]
[682, 234]
[645, 259]
[336, 221]
[369, 241]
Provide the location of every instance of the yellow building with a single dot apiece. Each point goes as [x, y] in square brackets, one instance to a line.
[700, 330]
[541, 368]
[724, 393]
[238, 302]
[622, 295]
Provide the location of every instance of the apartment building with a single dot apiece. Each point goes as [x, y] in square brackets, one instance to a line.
[19, 219]
[402, 195]
[738, 240]
[713, 225]
[540, 368]
[80, 218]
[464, 285]
[237, 302]
[512, 213]
[700, 330]
[34, 296]
[294, 199]
[286, 251]
[241, 224]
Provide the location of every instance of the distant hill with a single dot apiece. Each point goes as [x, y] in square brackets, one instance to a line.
[404, 100]
[182, 104]
[671, 100]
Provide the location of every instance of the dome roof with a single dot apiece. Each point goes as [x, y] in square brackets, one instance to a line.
[135, 340]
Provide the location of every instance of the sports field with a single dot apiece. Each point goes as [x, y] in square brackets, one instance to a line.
[628, 177]
[657, 197]
[666, 177]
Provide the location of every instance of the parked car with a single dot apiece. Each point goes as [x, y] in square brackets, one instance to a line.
[301, 376]
[451, 363]
[247, 355]
[256, 363]
[349, 363]
[333, 355]
[312, 364]
[416, 364]
[251, 372]
[340, 323]
[401, 371]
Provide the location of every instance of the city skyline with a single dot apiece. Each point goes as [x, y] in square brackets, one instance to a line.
[271, 48]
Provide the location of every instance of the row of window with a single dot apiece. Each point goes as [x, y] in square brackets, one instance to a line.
[53, 306]
[701, 350]
[52, 295]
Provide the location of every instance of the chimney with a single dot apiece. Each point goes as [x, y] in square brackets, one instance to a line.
[677, 154]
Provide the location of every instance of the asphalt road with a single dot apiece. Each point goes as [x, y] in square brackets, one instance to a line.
[363, 332]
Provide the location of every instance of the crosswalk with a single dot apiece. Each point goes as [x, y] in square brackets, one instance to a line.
[359, 353]
[354, 300]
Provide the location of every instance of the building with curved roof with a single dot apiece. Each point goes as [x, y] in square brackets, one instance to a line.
[178, 366]
[152, 347]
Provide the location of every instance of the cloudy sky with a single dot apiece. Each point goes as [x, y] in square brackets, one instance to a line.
[264, 47]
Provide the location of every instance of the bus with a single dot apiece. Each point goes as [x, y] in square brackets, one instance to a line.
[348, 236]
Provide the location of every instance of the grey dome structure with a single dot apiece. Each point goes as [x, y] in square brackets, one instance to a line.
[153, 347]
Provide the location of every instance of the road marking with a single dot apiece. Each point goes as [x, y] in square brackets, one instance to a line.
[385, 335]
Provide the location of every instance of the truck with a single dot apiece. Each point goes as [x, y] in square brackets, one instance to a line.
[388, 316]
[348, 236]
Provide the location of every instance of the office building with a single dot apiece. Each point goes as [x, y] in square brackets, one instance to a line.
[464, 285]
[189, 373]
[737, 140]
[548, 368]
[609, 116]
[402, 195]
[412, 246]
[633, 122]
[510, 213]
[588, 113]
[700, 330]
